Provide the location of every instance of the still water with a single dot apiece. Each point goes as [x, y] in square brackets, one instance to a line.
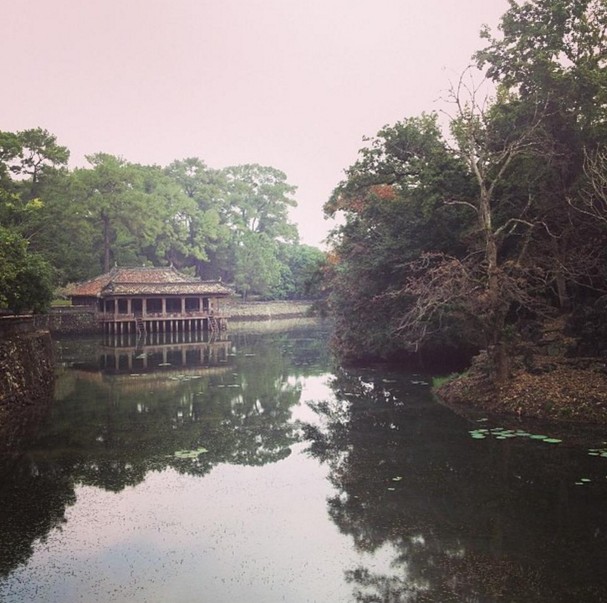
[252, 469]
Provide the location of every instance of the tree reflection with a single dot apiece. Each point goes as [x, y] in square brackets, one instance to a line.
[110, 430]
[463, 522]
[26, 492]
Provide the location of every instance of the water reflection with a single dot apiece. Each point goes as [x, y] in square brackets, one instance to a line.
[20, 480]
[465, 520]
[125, 408]
[380, 495]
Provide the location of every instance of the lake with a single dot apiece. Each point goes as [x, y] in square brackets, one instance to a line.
[255, 469]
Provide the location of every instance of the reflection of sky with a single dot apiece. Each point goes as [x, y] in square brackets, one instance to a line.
[238, 534]
[313, 389]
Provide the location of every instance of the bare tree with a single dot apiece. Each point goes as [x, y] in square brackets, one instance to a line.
[483, 287]
[592, 200]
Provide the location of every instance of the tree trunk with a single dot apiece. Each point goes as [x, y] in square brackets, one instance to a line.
[500, 358]
[559, 277]
[106, 242]
[496, 310]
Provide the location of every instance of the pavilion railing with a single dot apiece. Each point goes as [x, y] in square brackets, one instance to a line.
[112, 316]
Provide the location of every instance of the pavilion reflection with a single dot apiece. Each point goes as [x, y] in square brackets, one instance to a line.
[120, 354]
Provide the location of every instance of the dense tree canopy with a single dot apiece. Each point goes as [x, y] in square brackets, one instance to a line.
[70, 225]
[461, 240]
[25, 277]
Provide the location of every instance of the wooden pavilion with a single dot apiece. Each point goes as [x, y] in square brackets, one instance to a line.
[148, 300]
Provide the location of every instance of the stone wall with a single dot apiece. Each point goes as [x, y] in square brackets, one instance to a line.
[26, 368]
[237, 310]
[13, 325]
[69, 321]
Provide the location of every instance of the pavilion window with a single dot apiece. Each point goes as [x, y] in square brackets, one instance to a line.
[192, 304]
[137, 306]
[123, 306]
[173, 305]
[153, 305]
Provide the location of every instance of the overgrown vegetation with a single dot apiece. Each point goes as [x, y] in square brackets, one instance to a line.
[467, 239]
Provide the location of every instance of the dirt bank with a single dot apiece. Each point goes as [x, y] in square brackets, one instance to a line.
[559, 389]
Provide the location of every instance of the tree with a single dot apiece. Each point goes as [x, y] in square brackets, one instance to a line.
[29, 154]
[259, 199]
[25, 278]
[28, 159]
[394, 210]
[514, 193]
[552, 53]
[208, 234]
[300, 266]
[257, 269]
[554, 50]
[128, 205]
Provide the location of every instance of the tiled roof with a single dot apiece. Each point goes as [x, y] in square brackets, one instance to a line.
[191, 288]
[146, 281]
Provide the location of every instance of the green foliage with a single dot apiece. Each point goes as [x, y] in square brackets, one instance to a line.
[231, 224]
[393, 206]
[257, 269]
[25, 278]
[205, 232]
[258, 200]
[555, 50]
[300, 266]
[447, 247]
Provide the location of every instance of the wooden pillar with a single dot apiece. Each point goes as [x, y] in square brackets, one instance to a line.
[164, 306]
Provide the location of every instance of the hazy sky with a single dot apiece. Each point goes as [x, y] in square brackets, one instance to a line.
[294, 84]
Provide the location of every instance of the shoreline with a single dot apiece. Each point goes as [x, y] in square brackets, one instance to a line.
[567, 391]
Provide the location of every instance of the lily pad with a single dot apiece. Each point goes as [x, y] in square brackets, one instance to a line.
[190, 454]
[552, 440]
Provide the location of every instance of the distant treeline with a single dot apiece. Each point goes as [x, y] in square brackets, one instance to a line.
[59, 225]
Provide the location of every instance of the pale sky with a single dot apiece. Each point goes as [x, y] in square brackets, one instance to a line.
[294, 84]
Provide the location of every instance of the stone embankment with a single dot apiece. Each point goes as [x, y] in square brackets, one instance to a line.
[237, 310]
[69, 321]
[26, 362]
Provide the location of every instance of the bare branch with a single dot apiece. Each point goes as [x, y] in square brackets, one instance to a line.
[465, 203]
